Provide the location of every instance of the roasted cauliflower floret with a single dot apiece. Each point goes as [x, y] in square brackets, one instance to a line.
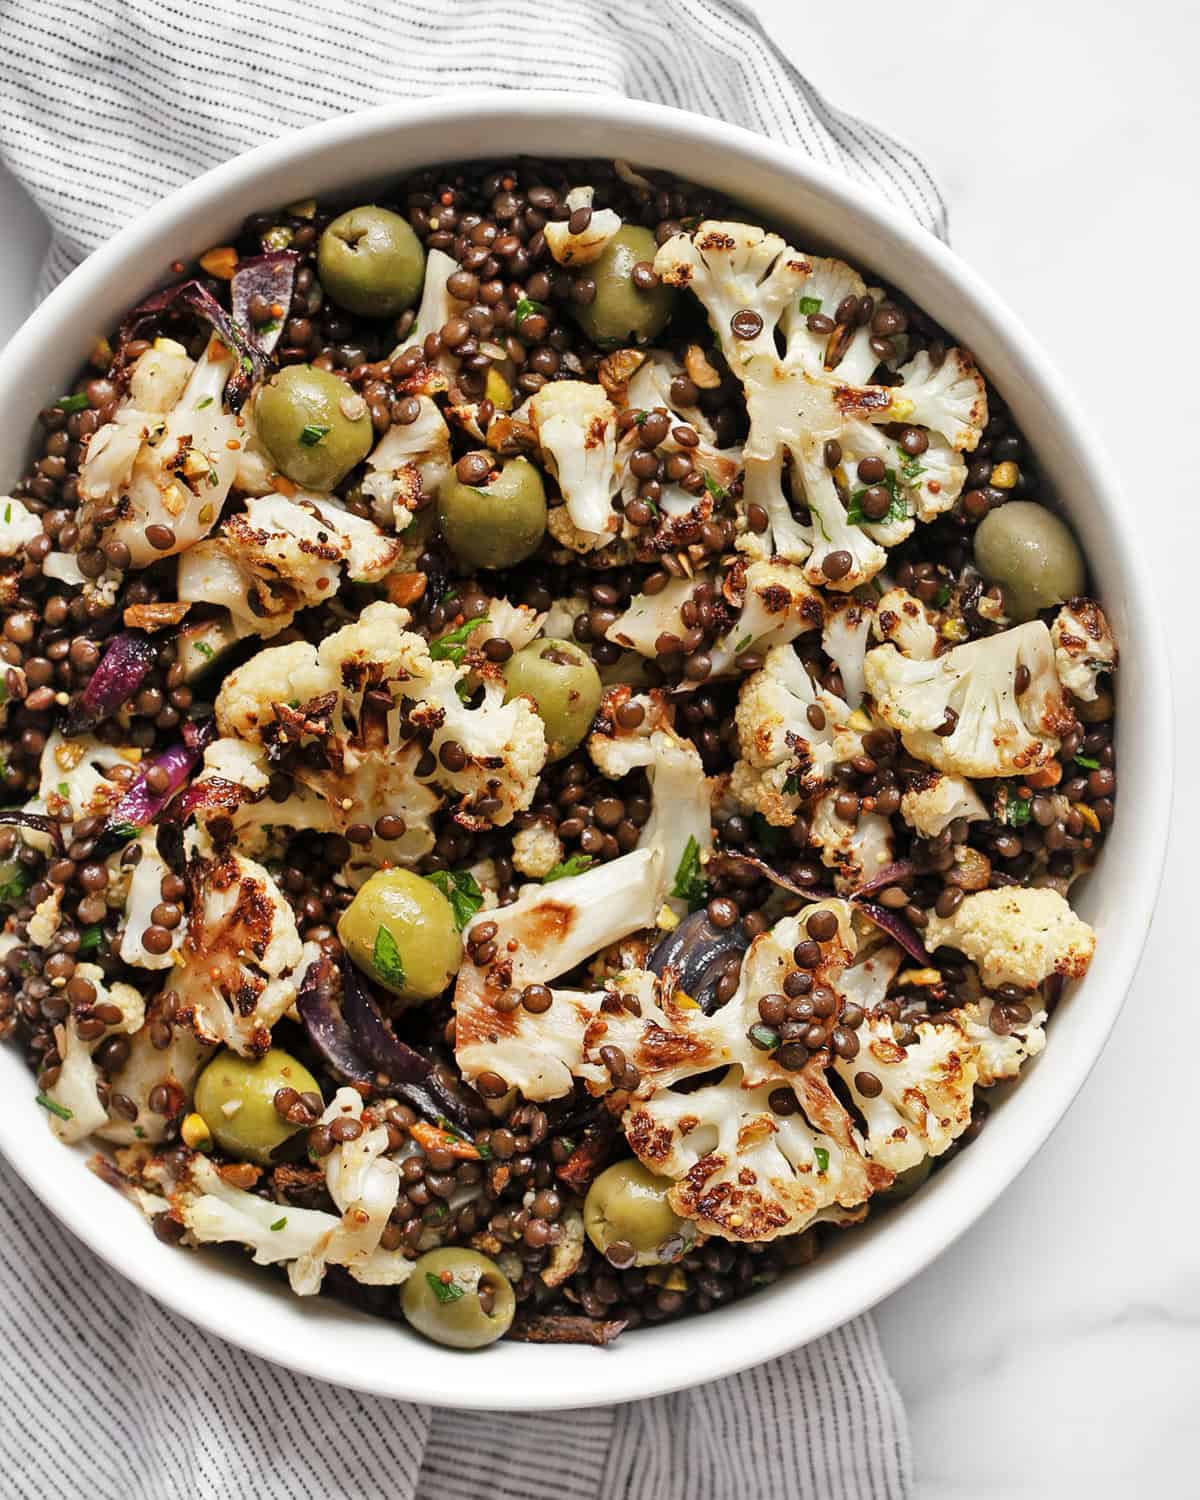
[1004, 1040]
[758, 289]
[992, 707]
[845, 639]
[791, 734]
[408, 464]
[360, 695]
[168, 464]
[934, 801]
[583, 248]
[78, 1111]
[1016, 936]
[282, 555]
[576, 428]
[240, 959]
[1084, 648]
[536, 850]
[855, 851]
[904, 620]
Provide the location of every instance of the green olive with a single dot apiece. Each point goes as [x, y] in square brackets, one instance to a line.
[1028, 551]
[619, 313]
[499, 524]
[562, 680]
[628, 1204]
[254, 1128]
[459, 1298]
[304, 421]
[371, 262]
[401, 930]
[908, 1181]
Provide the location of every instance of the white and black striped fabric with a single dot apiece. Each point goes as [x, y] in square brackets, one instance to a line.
[105, 105]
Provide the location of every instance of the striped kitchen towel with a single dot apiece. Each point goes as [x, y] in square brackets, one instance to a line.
[107, 105]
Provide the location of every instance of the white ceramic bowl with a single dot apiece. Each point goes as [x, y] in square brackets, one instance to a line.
[322, 1338]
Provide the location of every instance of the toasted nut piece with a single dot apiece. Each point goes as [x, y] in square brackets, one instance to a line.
[220, 261]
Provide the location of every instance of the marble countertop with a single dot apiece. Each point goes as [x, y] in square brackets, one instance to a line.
[1053, 1350]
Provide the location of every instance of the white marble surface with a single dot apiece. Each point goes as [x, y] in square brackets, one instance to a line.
[1053, 1352]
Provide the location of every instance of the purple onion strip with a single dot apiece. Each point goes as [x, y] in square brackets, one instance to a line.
[271, 277]
[252, 362]
[42, 822]
[122, 669]
[138, 805]
[896, 928]
[893, 874]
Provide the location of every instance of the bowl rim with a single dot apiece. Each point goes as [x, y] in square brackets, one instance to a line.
[914, 1237]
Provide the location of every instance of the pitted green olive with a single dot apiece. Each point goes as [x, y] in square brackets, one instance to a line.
[235, 1096]
[562, 680]
[621, 312]
[1033, 556]
[315, 427]
[459, 1298]
[626, 1206]
[370, 261]
[401, 930]
[496, 525]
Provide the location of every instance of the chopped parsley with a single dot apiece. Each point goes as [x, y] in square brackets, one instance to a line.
[453, 645]
[269, 327]
[312, 433]
[462, 891]
[64, 789]
[55, 1107]
[713, 488]
[122, 830]
[791, 784]
[1087, 762]
[896, 511]
[200, 405]
[444, 1291]
[7, 514]
[942, 597]
[279, 1224]
[822, 1157]
[1017, 811]
[641, 419]
[690, 884]
[765, 1038]
[205, 650]
[526, 308]
[743, 643]
[91, 938]
[576, 865]
[448, 594]
[247, 365]
[77, 402]
[385, 958]
[810, 305]
[765, 834]
[911, 470]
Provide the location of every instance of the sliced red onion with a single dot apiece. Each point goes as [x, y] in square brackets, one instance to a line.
[374, 1038]
[327, 1030]
[138, 805]
[271, 277]
[122, 669]
[893, 874]
[565, 1328]
[776, 877]
[697, 952]
[896, 928]
[213, 794]
[252, 362]
[41, 822]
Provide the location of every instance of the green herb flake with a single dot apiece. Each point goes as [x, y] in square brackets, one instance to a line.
[205, 650]
[576, 865]
[247, 365]
[822, 1157]
[453, 645]
[897, 510]
[54, 1107]
[269, 327]
[462, 891]
[942, 597]
[743, 643]
[312, 433]
[77, 402]
[450, 593]
[690, 884]
[641, 419]
[122, 830]
[207, 401]
[791, 785]
[91, 938]
[911, 470]
[765, 1038]
[1017, 811]
[279, 1224]
[444, 1291]
[526, 308]
[385, 958]
[567, 1143]
[1087, 762]
[7, 514]
[713, 488]
[64, 789]
[810, 305]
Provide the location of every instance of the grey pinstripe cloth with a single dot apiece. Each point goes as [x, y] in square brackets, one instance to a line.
[108, 104]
